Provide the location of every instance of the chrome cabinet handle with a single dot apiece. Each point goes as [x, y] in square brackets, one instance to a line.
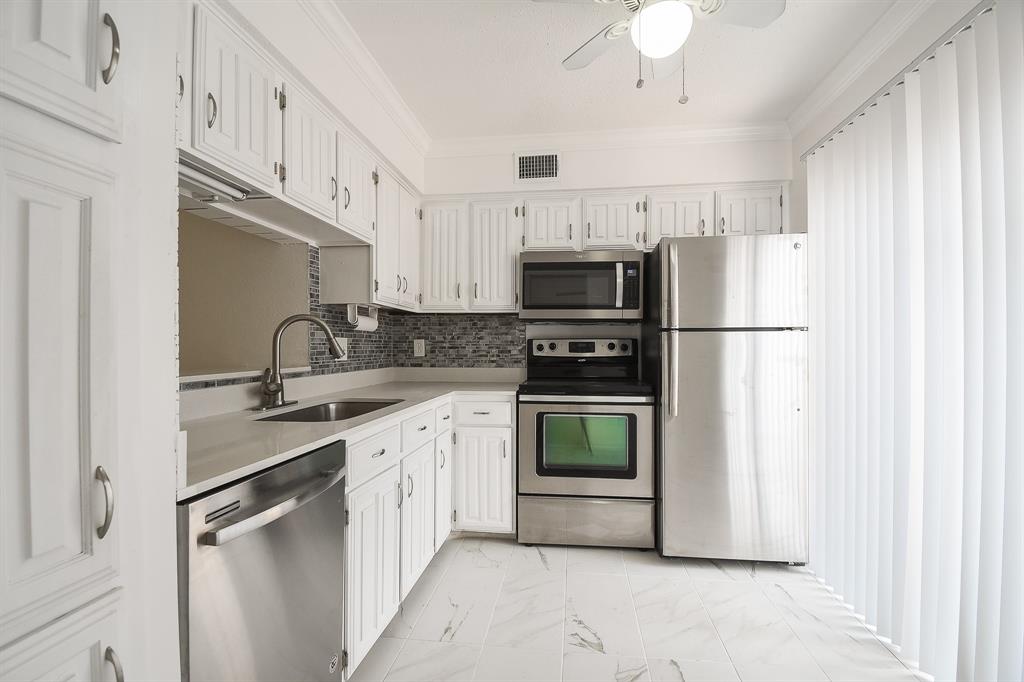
[422, 428]
[409, 477]
[446, 417]
[723, 224]
[638, 207]
[484, 413]
[115, 50]
[588, 231]
[181, 87]
[399, 493]
[570, 231]
[458, 291]
[442, 459]
[348, 197]
[701, 227]
[211, 118]
[504, 448]
[637, 237]
[334, 188]
[398, 287]
[476, 290]
[108, 494]
[378, 453]
[405, 286]
[110, 656]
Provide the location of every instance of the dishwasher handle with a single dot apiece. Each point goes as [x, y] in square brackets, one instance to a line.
[226, 534]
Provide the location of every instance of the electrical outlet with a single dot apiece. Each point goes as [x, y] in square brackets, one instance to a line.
[343, 344]
[419, 348]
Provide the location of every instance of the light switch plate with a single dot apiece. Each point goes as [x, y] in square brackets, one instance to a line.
[343, 343]
[419, 348]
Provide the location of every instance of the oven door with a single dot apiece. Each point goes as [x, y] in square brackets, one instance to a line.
[575, 290]
[586, 449]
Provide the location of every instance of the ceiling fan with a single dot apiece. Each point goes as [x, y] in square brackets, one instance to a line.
[658, 29]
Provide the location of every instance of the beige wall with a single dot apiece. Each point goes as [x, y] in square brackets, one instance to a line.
[234, 290]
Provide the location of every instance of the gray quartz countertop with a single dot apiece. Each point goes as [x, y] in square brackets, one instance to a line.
[226, 447]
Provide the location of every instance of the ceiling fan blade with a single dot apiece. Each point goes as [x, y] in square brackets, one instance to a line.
[752, 13]
[660, 69]
[596, 46]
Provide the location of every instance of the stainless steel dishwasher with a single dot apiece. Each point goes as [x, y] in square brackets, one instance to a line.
[261, 574]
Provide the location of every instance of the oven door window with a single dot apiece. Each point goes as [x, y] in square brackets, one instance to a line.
[569, 286]
[586, 445]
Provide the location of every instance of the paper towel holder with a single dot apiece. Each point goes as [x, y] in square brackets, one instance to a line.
[352, 312]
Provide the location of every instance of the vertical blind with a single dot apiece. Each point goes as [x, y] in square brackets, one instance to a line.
[916, 212]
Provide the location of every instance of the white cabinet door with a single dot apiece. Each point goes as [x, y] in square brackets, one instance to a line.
[493, 249]
[310, 146]
[59, 396]
[56, 56]
[553, 224]
[357, 210]
[756, 210]
[409, 248]
[389, 282]
[679, 214]
[484, 491]
[236, 118]
[614, 221]
[445, 237]
[417, 514]
[443, 463]
[373, 588]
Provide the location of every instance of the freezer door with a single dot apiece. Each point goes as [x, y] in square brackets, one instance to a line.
[733, 444]
[740, 282]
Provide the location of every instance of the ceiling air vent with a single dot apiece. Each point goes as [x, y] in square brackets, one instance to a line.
[537, 167]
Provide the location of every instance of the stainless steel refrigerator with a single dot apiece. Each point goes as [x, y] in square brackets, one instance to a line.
[725, 344]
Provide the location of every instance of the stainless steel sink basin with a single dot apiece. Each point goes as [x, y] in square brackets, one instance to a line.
[332, 412]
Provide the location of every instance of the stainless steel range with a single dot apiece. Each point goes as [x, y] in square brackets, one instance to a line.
[586, 445]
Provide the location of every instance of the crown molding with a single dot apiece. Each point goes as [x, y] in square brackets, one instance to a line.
[332, 23]
[605, 139]
[879, 38]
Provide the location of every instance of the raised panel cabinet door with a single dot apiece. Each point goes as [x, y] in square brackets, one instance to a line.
[443, 464]
[493, 249]
[59, 395]
[445, 237]
[680, 214]
[59, 57]
[553, 224]
[236, 114]
[409, 249]
[483, 479]
[309, 150]
[389, 282]
[372, 563]
[733, 217]
[753, 210]
[417, 514]
[356, 205]
[613, 222]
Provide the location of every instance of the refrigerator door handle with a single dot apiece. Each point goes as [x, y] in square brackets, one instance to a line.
[671, 316]
[674, 375]
[618, 284]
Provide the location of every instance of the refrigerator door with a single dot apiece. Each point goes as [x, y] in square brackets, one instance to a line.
[733, 443]
[741, 282]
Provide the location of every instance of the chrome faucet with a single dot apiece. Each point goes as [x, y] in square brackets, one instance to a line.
[273, 383]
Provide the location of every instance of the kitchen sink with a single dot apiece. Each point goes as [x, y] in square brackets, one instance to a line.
[333, 411]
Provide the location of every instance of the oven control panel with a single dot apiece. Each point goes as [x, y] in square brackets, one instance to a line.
[583, 348]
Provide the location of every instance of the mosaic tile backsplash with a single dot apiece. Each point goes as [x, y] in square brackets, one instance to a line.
[452, 340]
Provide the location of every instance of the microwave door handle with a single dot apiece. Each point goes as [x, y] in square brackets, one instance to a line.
[618, 284]
[267, 516]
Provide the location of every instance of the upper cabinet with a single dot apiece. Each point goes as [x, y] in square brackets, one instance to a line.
[615, 221]
[445, 257]
[236, 103]
[310, 145]
[356, 202]
[388, 284]
[409, 248]
[553, 224]
[751, 210]
[495, 237]
[680, 214]
[62, 58]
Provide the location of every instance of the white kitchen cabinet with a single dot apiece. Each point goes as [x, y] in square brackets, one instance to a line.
[751, 210]
[373, 590]
[614, 221]
[356, 203]
[679, 214]
[389, 282]
[443, 464]
[236, 115]
[417, 514]
[58, 57]
[494, 239]
[445, 242]
[310, 148]
[484, 491]
[553, 224]
[409, 248]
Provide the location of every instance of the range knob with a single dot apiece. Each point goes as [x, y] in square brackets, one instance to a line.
[611, 345]
[624, 347]
[540, 347]
[552, 346]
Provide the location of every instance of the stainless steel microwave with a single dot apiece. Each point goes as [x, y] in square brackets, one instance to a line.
[588, 285]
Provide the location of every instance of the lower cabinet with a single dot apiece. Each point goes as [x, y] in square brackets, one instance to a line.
[373, 590]
[484, 491]
[443, 463]
[417, 514]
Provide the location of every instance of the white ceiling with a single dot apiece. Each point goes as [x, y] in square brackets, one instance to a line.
[474, 68]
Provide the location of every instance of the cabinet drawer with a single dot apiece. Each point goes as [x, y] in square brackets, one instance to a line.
[375, 454]
[484, 413]
[417, 430]
[443, 417]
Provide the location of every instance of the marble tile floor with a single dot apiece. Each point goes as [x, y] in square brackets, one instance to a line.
[490, 609]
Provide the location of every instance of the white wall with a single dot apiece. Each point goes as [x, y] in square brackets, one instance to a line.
[846, 89]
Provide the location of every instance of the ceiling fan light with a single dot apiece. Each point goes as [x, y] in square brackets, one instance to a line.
[661, 28]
